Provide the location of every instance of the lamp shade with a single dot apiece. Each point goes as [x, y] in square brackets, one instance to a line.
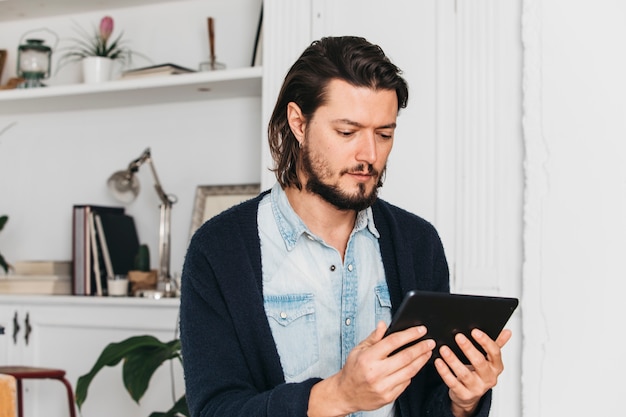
[124, 186]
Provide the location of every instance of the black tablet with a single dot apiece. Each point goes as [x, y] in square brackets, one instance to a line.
[445, 315]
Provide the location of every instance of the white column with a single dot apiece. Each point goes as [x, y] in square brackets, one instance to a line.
[286, 33]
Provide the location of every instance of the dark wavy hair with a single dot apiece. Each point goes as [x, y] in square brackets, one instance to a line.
[348, 58]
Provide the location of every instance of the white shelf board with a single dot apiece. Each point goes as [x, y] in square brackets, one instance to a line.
[29, 9]
[241, 82]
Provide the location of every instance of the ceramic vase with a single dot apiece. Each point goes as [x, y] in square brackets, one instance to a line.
[97, 69]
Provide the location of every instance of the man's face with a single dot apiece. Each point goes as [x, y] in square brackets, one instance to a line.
[346, 145]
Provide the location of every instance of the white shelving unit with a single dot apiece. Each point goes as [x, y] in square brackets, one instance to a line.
[242, 82]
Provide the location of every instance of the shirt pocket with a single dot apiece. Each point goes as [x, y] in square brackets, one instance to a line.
[382, 303]
[292, 320]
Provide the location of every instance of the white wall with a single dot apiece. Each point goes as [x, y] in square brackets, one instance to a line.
[575, 204]
[50, 161]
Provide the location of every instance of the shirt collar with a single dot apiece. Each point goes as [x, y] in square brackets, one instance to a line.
[291, 226]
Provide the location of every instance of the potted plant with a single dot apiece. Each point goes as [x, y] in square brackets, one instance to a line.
[97, 51]
[3, 263]
[141, 356]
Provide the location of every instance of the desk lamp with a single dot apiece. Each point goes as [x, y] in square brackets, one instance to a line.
[125, 187]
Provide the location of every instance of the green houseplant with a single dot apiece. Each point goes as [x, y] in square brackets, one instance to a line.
[96, 44]
[3, 263]
[141, 356]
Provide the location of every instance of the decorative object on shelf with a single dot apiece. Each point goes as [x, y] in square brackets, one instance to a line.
[125, 187]
[13, 82]
[213, 199]
[141, 277]
[155, 71]
[96, 53]
[211, 64]
[33, 63]
[3, 263]
[3, 58]
[141, 356]
[96, 69]
[117, 286]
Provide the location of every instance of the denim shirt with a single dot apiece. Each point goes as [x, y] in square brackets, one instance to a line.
[319, 308]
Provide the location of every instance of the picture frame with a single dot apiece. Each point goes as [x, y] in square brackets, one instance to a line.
[211, 200]
[3, 58]
[257, 53]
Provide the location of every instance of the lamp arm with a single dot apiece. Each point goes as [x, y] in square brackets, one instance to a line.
[165, 199]
[134, 167]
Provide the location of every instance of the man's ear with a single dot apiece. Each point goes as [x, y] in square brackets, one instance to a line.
[296, 121]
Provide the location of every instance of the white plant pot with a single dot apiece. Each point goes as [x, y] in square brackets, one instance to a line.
[97, 69]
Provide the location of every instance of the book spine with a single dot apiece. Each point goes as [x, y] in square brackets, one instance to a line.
[105, 248]
[94, 253]
[78, 247]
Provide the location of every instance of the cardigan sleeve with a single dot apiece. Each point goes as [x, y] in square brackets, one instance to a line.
[230, 363]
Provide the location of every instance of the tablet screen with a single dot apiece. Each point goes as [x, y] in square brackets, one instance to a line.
[445, 315]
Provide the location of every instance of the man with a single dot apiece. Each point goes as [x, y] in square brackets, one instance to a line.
[285, 298]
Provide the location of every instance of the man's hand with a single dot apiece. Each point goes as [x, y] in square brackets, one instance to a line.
[371, 378]
[469, 383]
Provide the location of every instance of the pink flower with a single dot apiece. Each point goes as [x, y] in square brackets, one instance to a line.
[106, 28]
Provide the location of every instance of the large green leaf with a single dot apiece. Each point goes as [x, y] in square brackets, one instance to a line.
[141, 363]
[136, 376]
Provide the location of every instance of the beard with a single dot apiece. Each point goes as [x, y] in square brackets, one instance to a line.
[316, 170]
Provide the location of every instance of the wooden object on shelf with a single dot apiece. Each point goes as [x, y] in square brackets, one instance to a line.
[142, 280]
[12, 83]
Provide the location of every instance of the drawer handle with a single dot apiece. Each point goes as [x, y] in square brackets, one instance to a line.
[16, 328]
[28, 328]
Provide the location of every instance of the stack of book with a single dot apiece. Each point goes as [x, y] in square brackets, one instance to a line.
[38, 277]
[104, 244]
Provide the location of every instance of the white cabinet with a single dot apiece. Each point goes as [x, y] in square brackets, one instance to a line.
[70, 332]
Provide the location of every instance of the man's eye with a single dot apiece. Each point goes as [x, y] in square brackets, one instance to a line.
[386, 135]
[345, 133]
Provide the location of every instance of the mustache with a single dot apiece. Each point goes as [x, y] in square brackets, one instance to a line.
[362, 169]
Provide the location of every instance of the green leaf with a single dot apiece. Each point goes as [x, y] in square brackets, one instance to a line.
[150, 348]
[179, 408]
[140, 365]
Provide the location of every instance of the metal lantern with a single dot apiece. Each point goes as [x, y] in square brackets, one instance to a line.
[33, 62]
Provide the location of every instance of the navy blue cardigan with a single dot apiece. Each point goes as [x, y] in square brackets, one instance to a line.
[230, 361]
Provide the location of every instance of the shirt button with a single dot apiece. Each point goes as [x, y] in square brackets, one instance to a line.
[310, 237]
[350, 267]
[283, 315]
[332, 267]
[348, 322]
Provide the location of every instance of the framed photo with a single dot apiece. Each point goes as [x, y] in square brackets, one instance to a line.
[257, 53]
[211, 200]
[3, 58]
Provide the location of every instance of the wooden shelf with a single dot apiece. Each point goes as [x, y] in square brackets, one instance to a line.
[242, 82]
